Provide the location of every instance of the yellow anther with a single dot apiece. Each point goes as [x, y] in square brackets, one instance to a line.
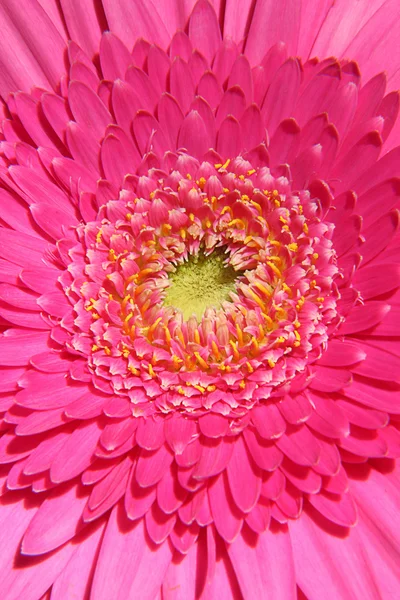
[132, 278]
[262, 289]
[239, 334]
[211, 388]
[286, 289]
[180, 336]
[275, 243]
[128, 216]
[225, 210]
[313, 283]
[275, 193]
[283, 220]
[95, 348]
[128, 317]
[145, 272]
[176, 361]
[300, 207]
[320, 299]
[182, 233]
[95, 316]
[261, 220]
[268, 319]
[255, 345]
[167, 334]
[241, 177]
[201, 360]
[181, 391]
[191, 217]
[125, 301]
[226, 164]
[277, 203]
[296, 343]
[226, 190]
[133, 370]
[297, 324]
[234, 349]
[98, 236]
[200, 388]
[151, 195]
[297, 335]
[315, 255]
[249, 367]
[242, 310]
[257, 206]
[201, 182]
[152, 373]
[242, 384]
[107, 350]
[256, 298]
[218, 165]
[280, 340]
[293, 247]
[286, 228]
[197, 336]
[274, 268]
[271, 363]
[305, 228]
[207, 223]
[245, 198]
[251, 172]
[248, 239]
[239, 222]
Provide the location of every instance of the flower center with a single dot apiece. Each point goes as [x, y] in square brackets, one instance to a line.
[199, 283]
[209, 289]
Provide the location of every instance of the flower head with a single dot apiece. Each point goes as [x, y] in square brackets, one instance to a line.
[199, 293]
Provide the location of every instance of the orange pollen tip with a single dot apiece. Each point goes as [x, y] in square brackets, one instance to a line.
[320, 299]
[151, 195]
[275, 243]
[256, 298]
[251, 172]
[215, 349]
[297, 324]
[271, 363]
[226, 190]
[182, 233]
[128, 317]
[305, 228]
[151, 370]
[226, 164]
[128, 216]
[98, 236]
[286, 288]
[315, 255]
[293, 247]
[268, 320]
[155, 325]
[197, 336]
[133, 370]
[111, 255]
[242, 384]
[249, 367]
[107, 350]
[201, 182]
[211, 388]
[95, 348]
[207, 223]
[241, 177]
[180, 336]
[280, 340]
[167, 334]
[296, 344]
[191, 217]
[181, 391]
[188, 176]
[297, 335]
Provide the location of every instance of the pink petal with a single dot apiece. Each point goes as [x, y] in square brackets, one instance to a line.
[273, 22]
[17, 347]
[114, 57]
[227, 518]
[56, 521]
[69, 462]
[144, 566]
[266, 557]
[204, 30]
[244, 478]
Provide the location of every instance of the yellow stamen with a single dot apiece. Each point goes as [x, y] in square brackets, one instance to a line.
[201, 360]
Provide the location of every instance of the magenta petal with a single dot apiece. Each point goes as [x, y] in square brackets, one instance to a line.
[56, 522]
[144, 567]
[266, 556]
[204, 30]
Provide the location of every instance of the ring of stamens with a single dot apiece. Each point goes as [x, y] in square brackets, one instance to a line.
[259, 329]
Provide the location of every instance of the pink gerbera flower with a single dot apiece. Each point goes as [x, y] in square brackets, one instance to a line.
[199, 300]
